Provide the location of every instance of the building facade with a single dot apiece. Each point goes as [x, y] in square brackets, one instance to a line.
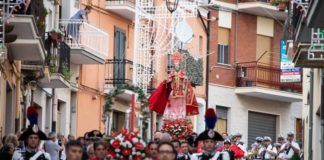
[244, 72]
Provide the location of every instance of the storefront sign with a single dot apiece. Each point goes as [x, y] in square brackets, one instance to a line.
[288, 71]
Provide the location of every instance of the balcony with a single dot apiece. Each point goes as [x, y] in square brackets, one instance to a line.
[263, 81]
[119, 72]
[58, 62]
[89, 44]
[28, 47]
[261, 8]
[124, 8]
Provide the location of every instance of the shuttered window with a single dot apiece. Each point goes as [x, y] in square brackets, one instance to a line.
[221, 125]
[263, 49]
[223, 46]
[260, 124]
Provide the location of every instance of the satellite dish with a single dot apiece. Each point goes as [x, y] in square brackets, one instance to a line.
[183, 32]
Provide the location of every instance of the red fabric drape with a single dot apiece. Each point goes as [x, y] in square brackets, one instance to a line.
[159, 98]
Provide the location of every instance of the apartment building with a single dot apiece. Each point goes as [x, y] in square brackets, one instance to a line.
[244, 72]
[306, 49]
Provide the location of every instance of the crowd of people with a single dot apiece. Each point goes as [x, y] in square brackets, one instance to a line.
[33, 144]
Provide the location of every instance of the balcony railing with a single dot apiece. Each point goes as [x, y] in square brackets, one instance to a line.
[58, 59]
[254, 74]
[118, 71]
[130, 3]
[265, 1]
[79, 34]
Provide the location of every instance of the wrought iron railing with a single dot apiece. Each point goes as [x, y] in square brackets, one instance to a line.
[118, 71]
[58, 59]
[80, 34]
[253, 74]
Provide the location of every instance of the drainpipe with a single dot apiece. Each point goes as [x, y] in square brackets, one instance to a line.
[207, 58]
[322, 115]
[311, 105]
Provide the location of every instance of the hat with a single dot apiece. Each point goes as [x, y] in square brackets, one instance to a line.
[94, 134]
[191, 139]
[259, 139]
[237, 135]
[277, 144]
[281, 136]
[210, 120]
[32, 129]
[267, 138]
[227, 141]
[290, 133]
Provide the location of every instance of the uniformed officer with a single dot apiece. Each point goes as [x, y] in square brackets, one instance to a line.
[268, 151]
[32, 138]
[290, 149]
[209, 138]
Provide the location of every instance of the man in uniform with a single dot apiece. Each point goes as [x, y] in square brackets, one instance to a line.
[32, 138]
[268, 151]
[209, 138]
[290, 149]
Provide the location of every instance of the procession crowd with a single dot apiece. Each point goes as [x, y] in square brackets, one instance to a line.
[93, 146]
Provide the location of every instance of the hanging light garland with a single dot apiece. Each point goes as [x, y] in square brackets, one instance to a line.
[172, 5]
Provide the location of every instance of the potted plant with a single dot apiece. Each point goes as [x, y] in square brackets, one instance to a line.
[281, 4]
[43, 15]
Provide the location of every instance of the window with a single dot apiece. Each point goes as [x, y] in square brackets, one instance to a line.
[299, 130]
[263, 49]
[221, 125]
[223, 43]
[223, 54]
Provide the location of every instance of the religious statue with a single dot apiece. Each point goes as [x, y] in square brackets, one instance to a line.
[175, 97]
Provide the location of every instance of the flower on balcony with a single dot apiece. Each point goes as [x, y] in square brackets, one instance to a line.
[141, 97]
[178, 128]
[281, 4]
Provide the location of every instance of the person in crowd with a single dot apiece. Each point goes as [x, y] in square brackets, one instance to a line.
[73, 28]
[193, 144]
[268, 151]
[227, 148]
[185, 155]
[51, 147]
[225, 135]
[152, 150]
[165, 137]
[255, 147]
[32, 137]
[157, 136]
[209, 138]
[91, 152]
[86, 143]
[99, 150]
[166, 151]
[7, 151]
[176, 145]
[281, 139]
[290, 149]
[13, 139]
[237, 141]
[278, 147]
[71, 137]
[73, 150]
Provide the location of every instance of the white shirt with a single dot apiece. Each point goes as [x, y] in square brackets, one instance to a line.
[288, 154]
[267, 155]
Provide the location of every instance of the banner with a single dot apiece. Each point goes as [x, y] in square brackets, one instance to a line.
[288, 72]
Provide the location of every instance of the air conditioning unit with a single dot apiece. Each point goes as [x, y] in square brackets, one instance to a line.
[242, 72]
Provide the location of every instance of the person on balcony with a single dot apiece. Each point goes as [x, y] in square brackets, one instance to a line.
[73, 28]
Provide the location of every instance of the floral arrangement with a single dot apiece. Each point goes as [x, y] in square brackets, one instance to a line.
[127, 145]
[178, 129]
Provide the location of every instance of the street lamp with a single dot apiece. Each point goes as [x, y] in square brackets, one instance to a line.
[172, 5]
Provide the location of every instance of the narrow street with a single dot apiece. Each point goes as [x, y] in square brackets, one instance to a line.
[161, 79]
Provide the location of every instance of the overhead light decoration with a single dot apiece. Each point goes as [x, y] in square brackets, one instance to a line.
[172, 5]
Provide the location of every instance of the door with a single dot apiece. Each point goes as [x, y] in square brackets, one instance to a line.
[119, 56]
[10, 110]
[260, 124]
